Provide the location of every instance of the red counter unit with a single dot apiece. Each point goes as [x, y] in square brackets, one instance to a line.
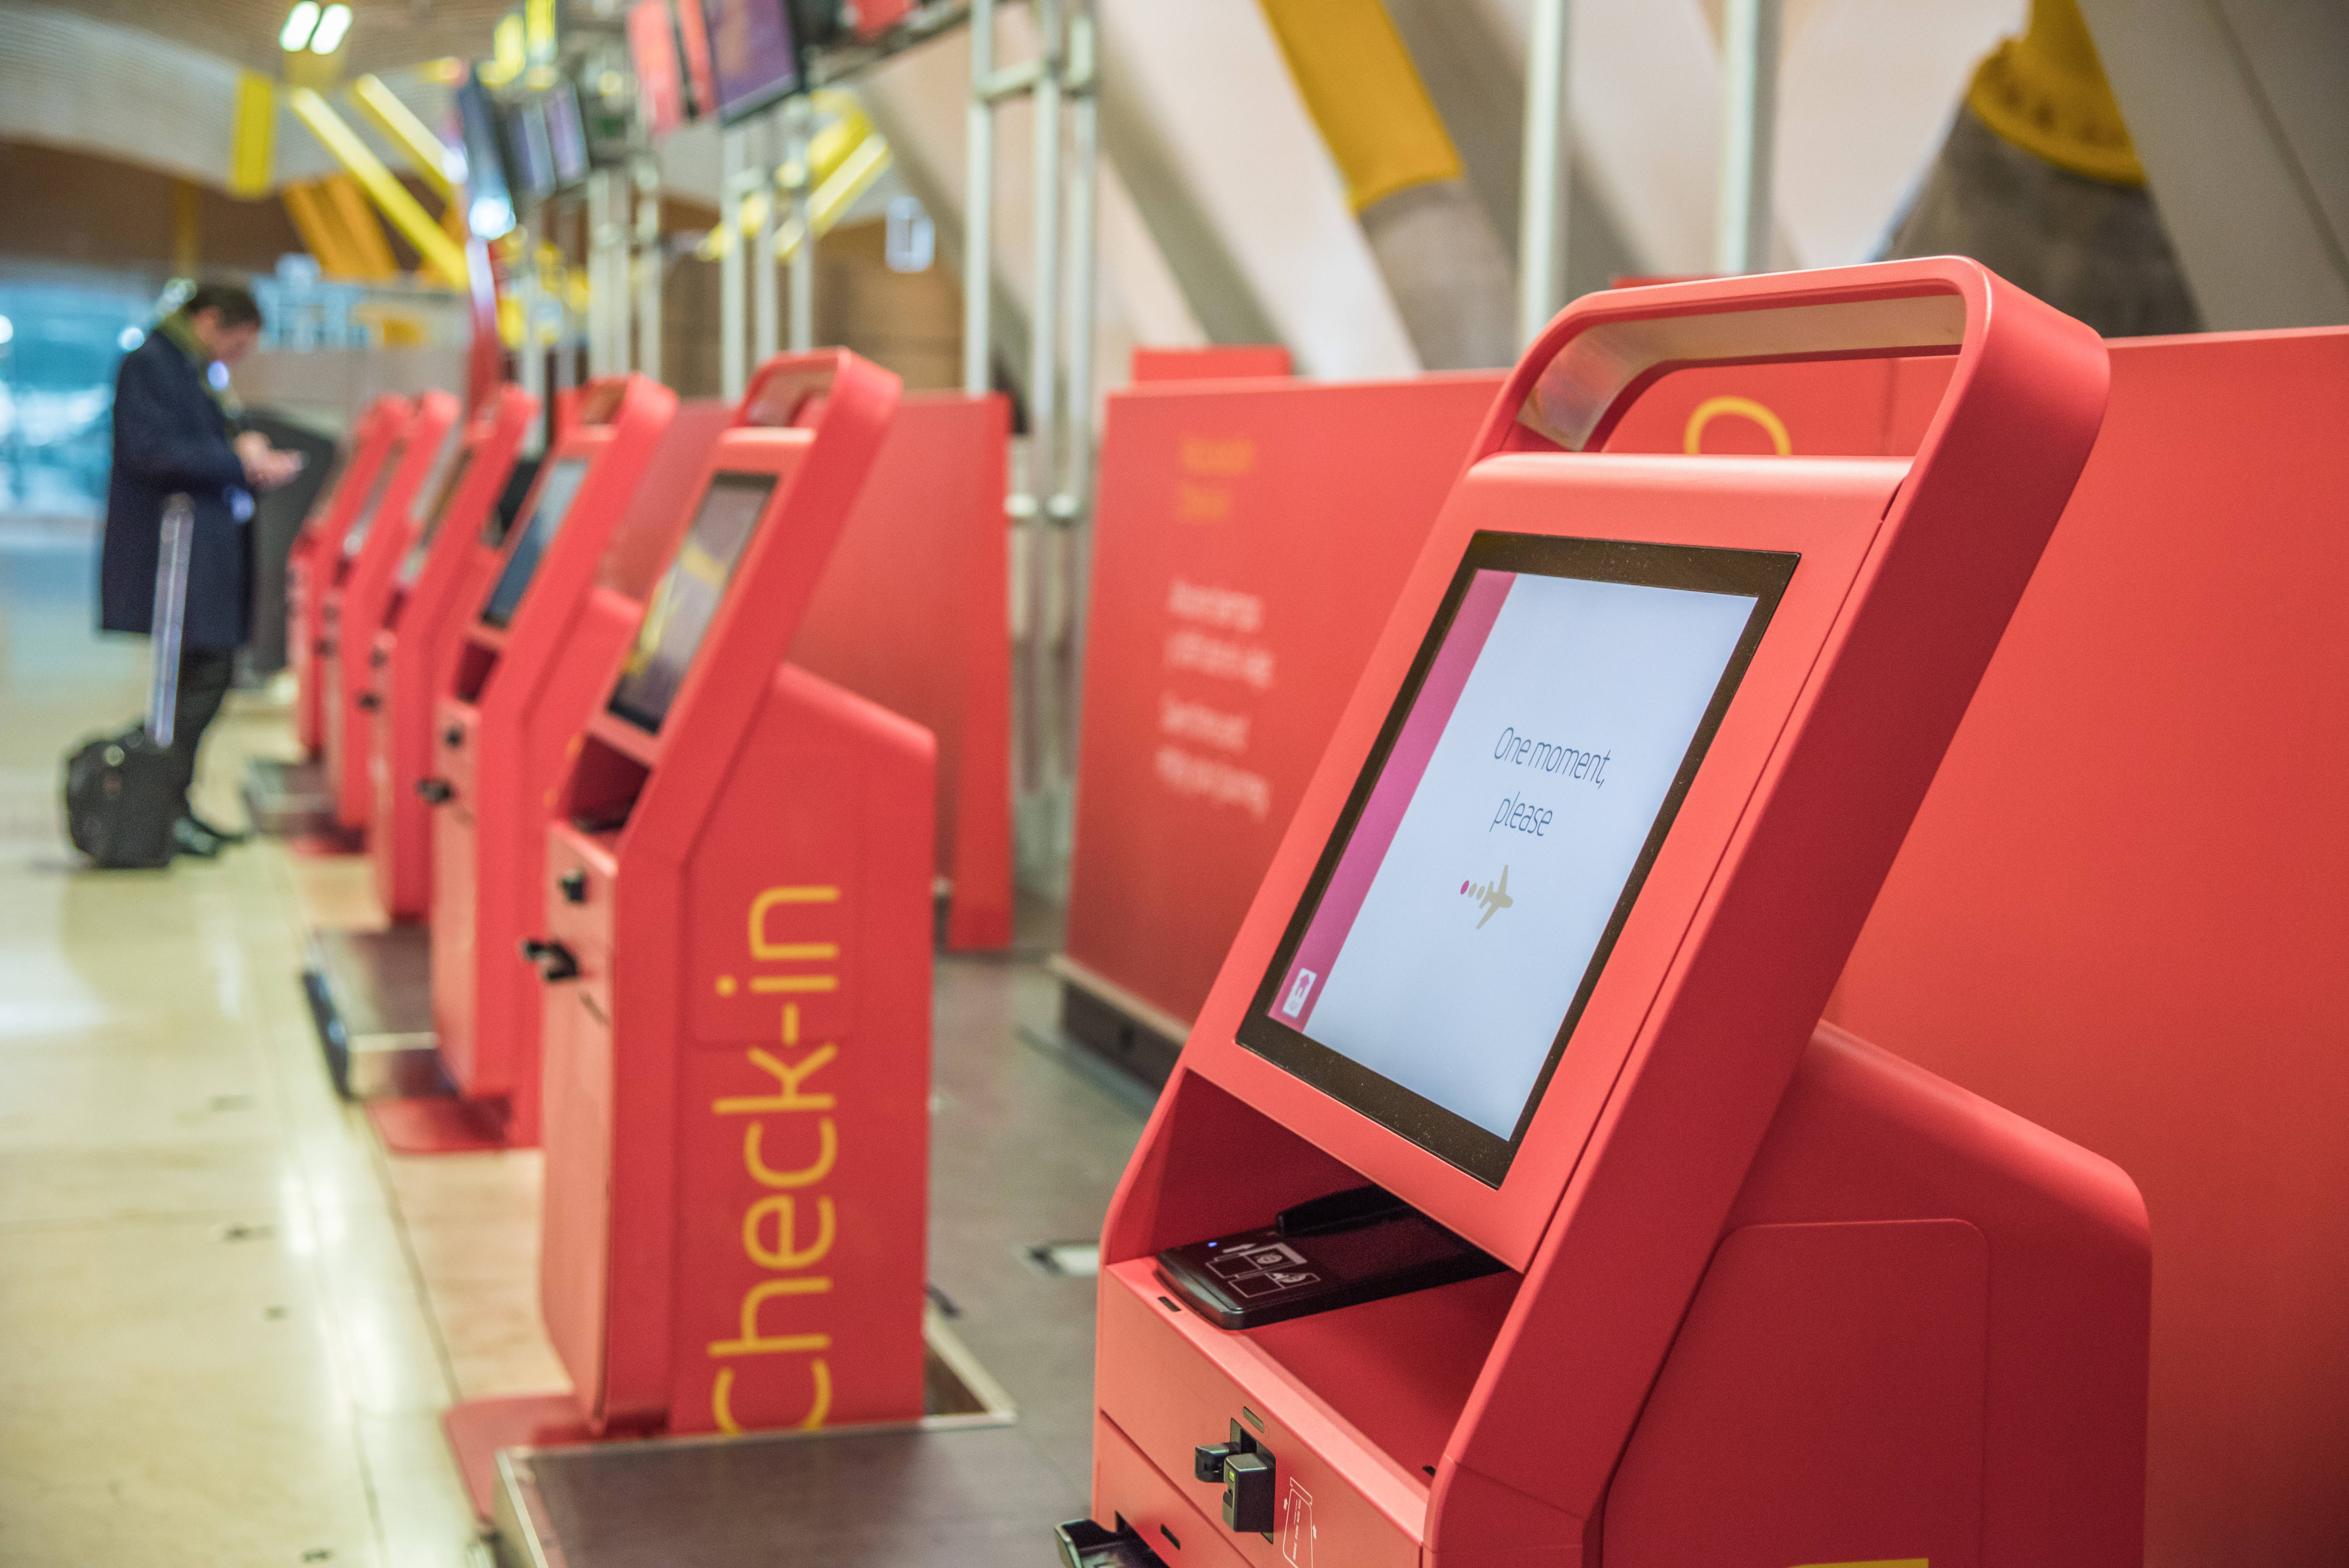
[736, 956]
[444, 574]
[314, 565]
[1542, 955]
[373, 547]
[527, 671]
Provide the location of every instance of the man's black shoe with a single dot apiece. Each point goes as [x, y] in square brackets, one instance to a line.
[225, 835]
[193, 837]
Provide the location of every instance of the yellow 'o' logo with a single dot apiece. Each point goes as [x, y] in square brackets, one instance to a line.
[1712, 409]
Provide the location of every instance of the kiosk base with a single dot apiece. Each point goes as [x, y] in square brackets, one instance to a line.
[371, 997]
[1115, 1025]
[443, 1123]
[289, 799]
[560, 1493]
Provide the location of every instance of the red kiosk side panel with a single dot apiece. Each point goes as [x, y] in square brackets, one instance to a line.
[2120, 909]
[910, 612]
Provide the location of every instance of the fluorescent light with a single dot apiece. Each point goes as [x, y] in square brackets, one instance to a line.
[333, 24]
[299, 23]
[7, 329]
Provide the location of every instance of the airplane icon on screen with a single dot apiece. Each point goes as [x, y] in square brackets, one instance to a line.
[1493, 897]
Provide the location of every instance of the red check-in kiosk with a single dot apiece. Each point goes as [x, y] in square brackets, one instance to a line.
[444, 573]
[529, 666]
[373, 547]
[1508, 1204]
[314, 565]
[738, 965]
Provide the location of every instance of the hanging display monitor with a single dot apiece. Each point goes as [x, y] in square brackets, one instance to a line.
[555, 499]
[1501, 830]
[688, 598]
[660, 77]
[693, 49]
[530, 150]
[754, 56]
[566, 135]
[412, 565]
[355, 535]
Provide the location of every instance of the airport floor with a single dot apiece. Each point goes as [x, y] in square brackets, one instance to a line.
[229, 1321]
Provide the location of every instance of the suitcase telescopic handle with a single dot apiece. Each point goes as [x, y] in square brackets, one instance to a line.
[170, 615]
[2025, 372]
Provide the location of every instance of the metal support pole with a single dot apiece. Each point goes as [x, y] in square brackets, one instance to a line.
[733, 309]
[766, 317]
[531, 355]
[800, 180]
[1548, 165]
[1069, 501]
[652, 267]
[1073, 505]
[1043, 398]
[1749, 123]
[978, 205]
[607, 293]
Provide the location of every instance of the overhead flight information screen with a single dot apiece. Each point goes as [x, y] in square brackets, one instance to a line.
[555, 499]
[355, 535]
[1500, 833]
[688, 598]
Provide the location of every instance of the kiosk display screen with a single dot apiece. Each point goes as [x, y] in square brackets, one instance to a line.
[412, 565]
[355, 535]
[555, 499]
[1499, 835]
[688, 598]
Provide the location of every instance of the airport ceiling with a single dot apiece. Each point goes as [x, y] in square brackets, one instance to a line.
[385, 33]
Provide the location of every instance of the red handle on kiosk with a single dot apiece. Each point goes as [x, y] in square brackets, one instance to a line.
[2014, 355]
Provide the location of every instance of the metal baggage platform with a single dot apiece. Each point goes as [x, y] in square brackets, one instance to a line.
[962, 1487]
[371, 995]
[289, 799]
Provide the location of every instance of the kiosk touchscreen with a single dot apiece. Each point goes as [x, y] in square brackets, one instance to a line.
[314, 565]
[444, 573]
[736, 956]
[525, 670]
[1508, 1204]
[375, 545]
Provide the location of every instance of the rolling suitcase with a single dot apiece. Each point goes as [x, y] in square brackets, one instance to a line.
[121, 792]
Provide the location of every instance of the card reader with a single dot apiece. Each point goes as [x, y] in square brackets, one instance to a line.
[1360, 1245]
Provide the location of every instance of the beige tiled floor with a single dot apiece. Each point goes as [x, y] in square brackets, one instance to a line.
[216, 1344]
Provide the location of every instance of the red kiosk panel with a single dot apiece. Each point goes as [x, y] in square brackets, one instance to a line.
[1643, 1201]
[443, 576]
[377, 541]
[314, 565]
[738, 958]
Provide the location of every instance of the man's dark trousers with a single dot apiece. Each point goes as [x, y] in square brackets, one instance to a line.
[204, 675]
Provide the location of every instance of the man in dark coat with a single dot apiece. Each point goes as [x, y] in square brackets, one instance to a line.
[174, 434]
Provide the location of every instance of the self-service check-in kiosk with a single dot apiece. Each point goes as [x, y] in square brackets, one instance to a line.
[373, 547]
[1508, 1204]
[737, 959]
[527, 668]
[315, 563]
[444, 573]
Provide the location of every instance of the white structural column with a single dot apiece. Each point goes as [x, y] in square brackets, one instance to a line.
[1547, 167]
[1749, 122]
[733, 309]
